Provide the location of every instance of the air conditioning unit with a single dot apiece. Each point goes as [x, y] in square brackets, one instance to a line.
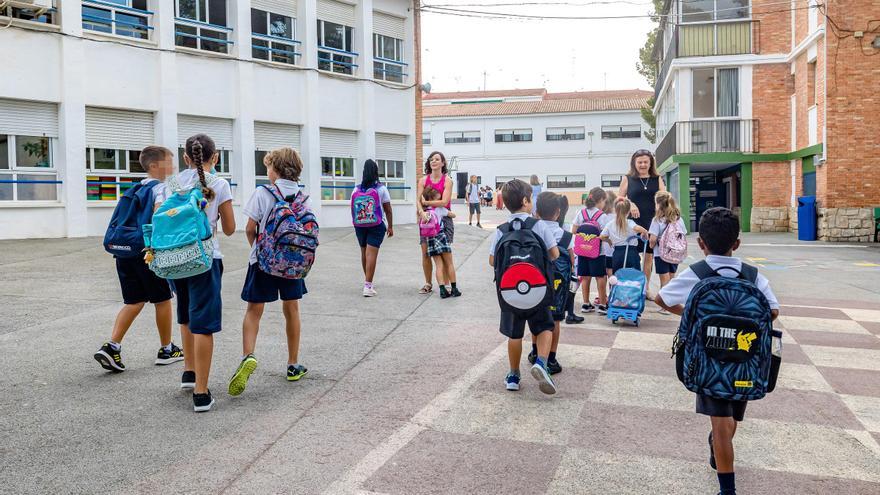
[37, 6]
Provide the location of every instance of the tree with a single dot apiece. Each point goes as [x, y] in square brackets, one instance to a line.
[647, 67]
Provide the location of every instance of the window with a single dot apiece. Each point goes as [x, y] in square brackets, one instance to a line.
[711, 82]
[273, 37]
[566, 181]
[513, 135]
[711, 10]
[260, 171]
[128, 18]
[503, 179]
[30, 14]
[111, 172]
[388, 58]
[27, 172]
[621, 131]
[462, 137]
[337, 178]
[201, 24]
[392, 173]
[426, 137]
[335, 47]
[565, 133]
[222, 168]
[611, 180]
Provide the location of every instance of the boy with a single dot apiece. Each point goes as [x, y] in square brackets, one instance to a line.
[139, 284]
[718, 238]
[517, 197]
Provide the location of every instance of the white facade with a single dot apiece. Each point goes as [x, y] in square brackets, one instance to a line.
[80, 94]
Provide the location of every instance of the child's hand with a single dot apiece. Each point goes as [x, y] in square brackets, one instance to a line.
[390, 231]
[451, 214]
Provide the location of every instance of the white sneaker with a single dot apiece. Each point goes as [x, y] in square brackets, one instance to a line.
[369, 292]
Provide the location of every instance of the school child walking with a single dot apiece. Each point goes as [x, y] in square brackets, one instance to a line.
[616, 234]
[139, 285]
[517, 197]
[668, 226]
[199, 306]
[372, 227]
[592, 268]
[571, 317]
[438, 247]
[718, 239]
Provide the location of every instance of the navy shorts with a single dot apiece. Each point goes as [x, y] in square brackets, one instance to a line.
[721, 408]
[139, 284]
[198, 300]
[661, 267]
[370, 236]
[260, 287]
[474, 208]
[650, 250]
[632, 260]
[609, 262]
[514, 327]
[591, 267]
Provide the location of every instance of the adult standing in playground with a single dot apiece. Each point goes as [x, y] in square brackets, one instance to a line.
[536, 190]
[639, 186]
[474, 196]
[437, 177]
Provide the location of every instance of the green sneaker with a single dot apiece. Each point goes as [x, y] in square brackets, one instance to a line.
[295, 372]
[240, 378]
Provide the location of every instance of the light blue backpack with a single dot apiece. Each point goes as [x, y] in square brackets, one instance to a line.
[179, 242]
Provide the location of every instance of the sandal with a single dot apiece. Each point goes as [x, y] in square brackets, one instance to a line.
[426, 289]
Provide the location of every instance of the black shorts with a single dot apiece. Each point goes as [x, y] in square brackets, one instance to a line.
[609, 262]
[514, 327]
[632, 258]
[721, 408]
[662, 268]
[474, 208]
[198, 300]
[591, 267]
[650, 250]
[260, 287]
[370, 236]
[139, 284]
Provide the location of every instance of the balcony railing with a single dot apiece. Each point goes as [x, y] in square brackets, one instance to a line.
[121, 20]
[201, 35]
[709, 136]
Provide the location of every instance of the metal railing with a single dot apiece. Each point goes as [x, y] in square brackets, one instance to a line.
[709, 136]
[204, 36]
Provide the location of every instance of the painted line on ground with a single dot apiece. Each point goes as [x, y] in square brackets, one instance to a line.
[767, 244]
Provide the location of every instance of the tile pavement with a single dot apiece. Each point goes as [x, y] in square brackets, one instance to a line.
[622, 423]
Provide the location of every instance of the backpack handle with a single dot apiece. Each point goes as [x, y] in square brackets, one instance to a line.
[746, 272]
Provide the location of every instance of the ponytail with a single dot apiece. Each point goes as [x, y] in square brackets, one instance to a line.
[197, 148]
[621, 210]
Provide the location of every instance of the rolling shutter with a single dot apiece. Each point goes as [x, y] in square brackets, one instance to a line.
[28, 118]
[220, 130]
[389, 25]
[338, 12]
[338, 143]
[390, 147]
[268, 136]
[283, 7]
[118, 129]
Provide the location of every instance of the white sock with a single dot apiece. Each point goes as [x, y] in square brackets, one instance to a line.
[168, 347]
[115, 346]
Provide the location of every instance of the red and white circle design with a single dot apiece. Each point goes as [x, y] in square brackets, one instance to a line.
[523, 286]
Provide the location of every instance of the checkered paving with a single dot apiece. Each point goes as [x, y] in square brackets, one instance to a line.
[622, 423]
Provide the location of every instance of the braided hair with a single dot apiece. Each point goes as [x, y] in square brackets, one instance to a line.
[200, 149]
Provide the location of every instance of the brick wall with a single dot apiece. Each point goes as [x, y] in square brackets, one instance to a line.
[417, 62]
[773, 26]
[771, 184]
[771, 106]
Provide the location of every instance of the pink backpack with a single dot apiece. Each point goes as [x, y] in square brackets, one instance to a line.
[432, 227]
[586, 242]
[366, 208]
[672, 244]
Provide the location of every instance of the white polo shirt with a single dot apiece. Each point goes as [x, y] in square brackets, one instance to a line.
[679, 288]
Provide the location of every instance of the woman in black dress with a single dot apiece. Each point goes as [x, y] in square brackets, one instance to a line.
[639, 186]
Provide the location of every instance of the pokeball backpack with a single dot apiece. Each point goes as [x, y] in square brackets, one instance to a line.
[523, 270]
[586, 242]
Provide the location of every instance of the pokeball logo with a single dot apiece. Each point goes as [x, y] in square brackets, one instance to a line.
[523, 286]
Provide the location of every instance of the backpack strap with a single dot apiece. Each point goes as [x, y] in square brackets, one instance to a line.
[595, 217]
[749, 272]
[276, 192]
[529, 223]
[702, 270]
[565, 241]
[584, 215]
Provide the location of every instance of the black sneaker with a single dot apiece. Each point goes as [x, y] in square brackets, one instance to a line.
[573, 319]
[480, 226]
[168, 357]
[587, 308]
[532, 357]
[188, 380]
[443, 292]
[202, 402]
[109, 359]
[602, 309]
[455, 292]
[554, 367]
[712, 454]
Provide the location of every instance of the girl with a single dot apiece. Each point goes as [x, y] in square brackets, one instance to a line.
[667, 214]
[437, 247]
[617, 232]
[370, 238]
[283, 167]
[199, 308]
[436, 178]
[608, 249]
[589, 268]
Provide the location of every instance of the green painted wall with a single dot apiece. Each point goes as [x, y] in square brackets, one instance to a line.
[745, 193]
[684, 192]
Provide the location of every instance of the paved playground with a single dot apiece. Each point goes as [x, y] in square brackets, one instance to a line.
[405, 393]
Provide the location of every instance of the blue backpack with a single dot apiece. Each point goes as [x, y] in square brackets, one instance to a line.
[562, 273]
[125, 237]
[723, 348]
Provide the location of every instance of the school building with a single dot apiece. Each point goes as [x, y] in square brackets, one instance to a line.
[571, 141]
[86, 84]
[760, 102]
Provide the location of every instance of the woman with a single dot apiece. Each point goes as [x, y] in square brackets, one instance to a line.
[536, 190]
[370, 238]
[639, 186]
[436, 176]
[499, 202]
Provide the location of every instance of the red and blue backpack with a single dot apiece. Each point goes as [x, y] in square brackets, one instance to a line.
[288, 238]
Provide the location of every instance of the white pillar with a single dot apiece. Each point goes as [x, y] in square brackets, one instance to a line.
[243, 126]
[166, 115]
[71, 122]
[364, 47]
[310, 134]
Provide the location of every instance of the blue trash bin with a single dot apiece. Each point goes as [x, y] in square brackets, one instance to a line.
[806, 213]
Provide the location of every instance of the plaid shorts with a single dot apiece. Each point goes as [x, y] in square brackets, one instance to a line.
[438, 244]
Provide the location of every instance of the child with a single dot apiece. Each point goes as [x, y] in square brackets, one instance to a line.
[719, 238]
[139, 284]
[616, 233]
[284, 167]
[589, 268]
[517, 197]
[438, 246]
[370, 238]
[199, 308]
[667, 213]
[608, 249]
[571, 317]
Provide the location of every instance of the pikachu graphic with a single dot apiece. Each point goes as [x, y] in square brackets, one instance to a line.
[744, 341]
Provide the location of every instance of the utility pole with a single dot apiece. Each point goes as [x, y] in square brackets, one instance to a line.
[485, 73]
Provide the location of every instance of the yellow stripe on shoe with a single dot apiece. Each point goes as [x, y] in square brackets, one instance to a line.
[239, 380]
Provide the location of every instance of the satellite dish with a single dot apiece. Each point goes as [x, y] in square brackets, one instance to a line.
[426, 87]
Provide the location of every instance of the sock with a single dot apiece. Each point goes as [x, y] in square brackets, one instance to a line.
[168, 347]
[542, 361]
[453, 286]
[115, 346]
[552, 357]
[368, 285]
[535, 349]
[727, 483]
[514, 372]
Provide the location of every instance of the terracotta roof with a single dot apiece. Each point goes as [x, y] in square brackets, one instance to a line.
[462, 95]
[618, 93]
[590, 101]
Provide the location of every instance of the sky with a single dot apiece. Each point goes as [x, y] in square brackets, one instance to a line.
[560, 55]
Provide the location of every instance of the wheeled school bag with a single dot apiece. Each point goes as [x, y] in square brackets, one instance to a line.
[587, 243]
[562, 273]
[672, 245]
[124, 237]
[432, 226]
[179, 242]
[366, 208]
[627, 297]
[724, 344]
[288, 238]
[523, 270]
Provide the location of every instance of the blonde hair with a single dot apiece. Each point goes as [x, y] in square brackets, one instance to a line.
[286, 163]
[621, 209]
[667, 208]
[609, 202]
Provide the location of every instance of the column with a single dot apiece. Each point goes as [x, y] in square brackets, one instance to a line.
[310, 134]
[684, 192]
[71, 122]
[364, 46]
[166, 114]
[745, 184]
[243, 125]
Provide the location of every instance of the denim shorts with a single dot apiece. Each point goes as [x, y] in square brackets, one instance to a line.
[260, 287]
[198, 300]
[370, 236]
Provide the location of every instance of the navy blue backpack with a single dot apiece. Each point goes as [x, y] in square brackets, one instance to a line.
[125, 237]
[723, 348]
[561, 273]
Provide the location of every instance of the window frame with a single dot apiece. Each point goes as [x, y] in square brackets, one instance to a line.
[565, 135]
[261, 180]
[516, 135]
[47, 17]
[607, 181]
[224, 162]
[273, 45]
[14, 170]
[329, 62]
[381, 64]
[338, 183]
[119, 174]
[507, 178]
[198, 25]
[461, 139]
[115, 10]
[566, 184]
[715, 93]
[393, 181]
[619, 132]
[684, 18]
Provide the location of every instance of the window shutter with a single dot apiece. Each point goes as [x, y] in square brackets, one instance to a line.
[390, 147]
[118, 129]
[338, 143]
[283, 7]
[220, 130]
[269, 136]
[338, 12]
[389, 25]
[28, 118]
